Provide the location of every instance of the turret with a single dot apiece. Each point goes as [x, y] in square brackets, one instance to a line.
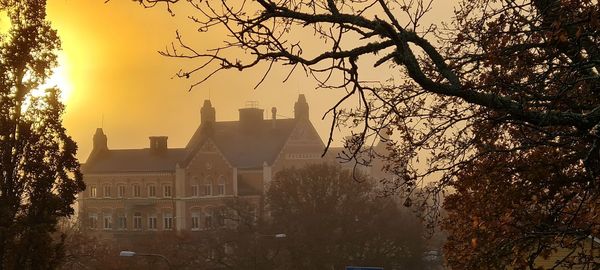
[301, 108]
[100, 141]
[207, 113]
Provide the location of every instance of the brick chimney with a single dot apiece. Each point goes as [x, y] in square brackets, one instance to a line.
[158, 144]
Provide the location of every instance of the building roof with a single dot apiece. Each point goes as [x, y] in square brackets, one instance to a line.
[133, 160]
[242, 147]
[248, 143]
[245, 147]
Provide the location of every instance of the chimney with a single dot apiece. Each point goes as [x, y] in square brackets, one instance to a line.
[158, 144]
[301, 108]
[273, 116]
[100, 141]
[207, 113]
[251, 117]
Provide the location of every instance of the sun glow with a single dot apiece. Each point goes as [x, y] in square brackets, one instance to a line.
[60, 79]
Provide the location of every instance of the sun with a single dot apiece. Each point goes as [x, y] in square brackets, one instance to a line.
[60, 79]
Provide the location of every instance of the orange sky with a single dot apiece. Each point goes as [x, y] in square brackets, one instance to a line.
[114, 72]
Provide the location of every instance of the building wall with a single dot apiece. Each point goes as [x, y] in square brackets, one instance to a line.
[191, 197]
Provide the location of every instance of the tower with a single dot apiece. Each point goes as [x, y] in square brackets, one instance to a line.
[207, 113]
[301, 108]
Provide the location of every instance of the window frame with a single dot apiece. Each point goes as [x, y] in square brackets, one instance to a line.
[221, 189]
[168, 221]
[121, 191]
[196, 219]
[208, 220]
[151, 190]
[122, 222]
[93, 191]
[137, 190]
[207, 187]
[195, 190]
[93, 221]
[107, 222]
[106, 192]
[152, 223]
[168, 188]
[137, 221]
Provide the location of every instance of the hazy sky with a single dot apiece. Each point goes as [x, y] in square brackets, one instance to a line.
[110, 70]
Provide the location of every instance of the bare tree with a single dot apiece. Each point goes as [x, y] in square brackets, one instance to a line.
[502, 81]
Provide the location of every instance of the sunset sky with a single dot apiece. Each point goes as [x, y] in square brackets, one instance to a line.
[113, 76]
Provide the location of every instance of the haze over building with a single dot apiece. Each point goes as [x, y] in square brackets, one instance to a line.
[162, 188]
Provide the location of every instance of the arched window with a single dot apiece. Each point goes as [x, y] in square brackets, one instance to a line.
[195, 187]
[207, 187]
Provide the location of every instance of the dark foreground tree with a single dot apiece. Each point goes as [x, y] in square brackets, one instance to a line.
[504, 81]
[39, 174]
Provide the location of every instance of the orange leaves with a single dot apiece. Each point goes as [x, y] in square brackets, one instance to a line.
[474, 242]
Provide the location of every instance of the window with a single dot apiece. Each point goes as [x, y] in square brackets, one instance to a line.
[136, 190]
[221, 189]
[220, 215]
[106, 191]
[151, 190]
[207, 189]
[168, 221]
[137, 221]
[93, 192]
[107, 222]
[195, 191]
[195, 221]
[122, 221]
[152, 222]
[121, 191]
[208, 222]
[167, 191]
[93, 221]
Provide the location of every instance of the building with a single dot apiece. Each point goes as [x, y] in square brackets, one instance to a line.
[174, 189]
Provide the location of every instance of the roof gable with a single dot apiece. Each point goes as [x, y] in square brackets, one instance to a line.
[241, 147]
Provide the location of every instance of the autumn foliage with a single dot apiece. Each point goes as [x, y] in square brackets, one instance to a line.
[497, 107]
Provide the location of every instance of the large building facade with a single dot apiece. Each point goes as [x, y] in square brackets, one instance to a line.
[184, 189]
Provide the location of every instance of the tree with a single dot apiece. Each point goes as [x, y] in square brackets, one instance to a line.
[331, 221]
[39, 174]
[504, 81]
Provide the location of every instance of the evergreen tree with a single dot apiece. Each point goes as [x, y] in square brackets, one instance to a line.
[39, 174]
